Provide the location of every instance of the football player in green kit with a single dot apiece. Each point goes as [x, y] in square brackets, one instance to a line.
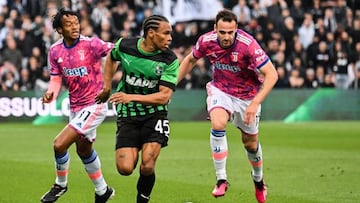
[149, 76]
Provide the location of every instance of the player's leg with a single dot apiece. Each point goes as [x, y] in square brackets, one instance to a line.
[85, 123]
[252, 146]
[218, 143]
[128, 143]
[219, 106]
[92, 165]
[254, 154]
[154, 136]
[62, 160]
[127, 146]
[126, 160]
[146, 181]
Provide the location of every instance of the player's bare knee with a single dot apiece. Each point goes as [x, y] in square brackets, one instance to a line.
[218, 125]
[59, 147]
[147, 169]
[250, 142]
[251, 147]
[124, 170]
[84, 153]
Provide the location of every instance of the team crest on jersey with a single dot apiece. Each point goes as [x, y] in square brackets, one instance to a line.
[234, 56]
[158, 70]
[60, 60]
[82, 54]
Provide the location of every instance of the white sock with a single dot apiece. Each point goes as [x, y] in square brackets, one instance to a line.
[62, 164]
[255, 159]
[219, 147]
[93, 169]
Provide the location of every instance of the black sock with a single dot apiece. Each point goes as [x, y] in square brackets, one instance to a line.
[145, 185]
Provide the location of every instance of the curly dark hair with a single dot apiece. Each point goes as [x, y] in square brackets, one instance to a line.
[57, 18]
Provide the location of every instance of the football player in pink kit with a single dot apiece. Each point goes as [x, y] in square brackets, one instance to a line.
[243, 76]
[77, 59]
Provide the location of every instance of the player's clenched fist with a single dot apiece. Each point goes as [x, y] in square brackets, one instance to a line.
[47, 97]
[103, 96]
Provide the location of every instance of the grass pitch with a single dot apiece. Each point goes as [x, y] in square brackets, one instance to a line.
[303, 163]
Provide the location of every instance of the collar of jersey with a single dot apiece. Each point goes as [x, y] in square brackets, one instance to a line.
[71, 46]
[144, 52]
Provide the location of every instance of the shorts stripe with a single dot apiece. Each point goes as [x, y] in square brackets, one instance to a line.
[93, 116]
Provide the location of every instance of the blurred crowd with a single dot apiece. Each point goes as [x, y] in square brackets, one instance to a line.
[312, 43]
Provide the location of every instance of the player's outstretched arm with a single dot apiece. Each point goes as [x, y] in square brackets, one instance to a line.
[53, 90]
[109, 70]
[158, 98]
[186, 66]
[270, 78]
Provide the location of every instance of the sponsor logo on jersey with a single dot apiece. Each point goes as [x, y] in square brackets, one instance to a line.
[227, 67]
[259, 52]
[72, 72]
[141, 82]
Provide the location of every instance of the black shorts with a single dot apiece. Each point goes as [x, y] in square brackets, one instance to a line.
[135, 131]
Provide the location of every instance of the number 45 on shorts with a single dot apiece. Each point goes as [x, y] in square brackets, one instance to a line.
[163, 127]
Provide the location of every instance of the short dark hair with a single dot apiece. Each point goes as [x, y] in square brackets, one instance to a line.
[226, 15]
[63, 12]
[153, 22]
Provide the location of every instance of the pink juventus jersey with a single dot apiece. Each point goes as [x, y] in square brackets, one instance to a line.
[80, 66]
[236, 69]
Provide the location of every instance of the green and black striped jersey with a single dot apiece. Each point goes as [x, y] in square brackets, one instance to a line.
[143, 73]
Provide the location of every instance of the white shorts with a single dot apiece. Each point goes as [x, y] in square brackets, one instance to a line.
[88, 119]
[235, 106]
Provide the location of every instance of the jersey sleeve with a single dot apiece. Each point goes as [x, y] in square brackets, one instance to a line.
[169, 77]
[115, 52]
[101, 46]
[258, 56]
[53, 65]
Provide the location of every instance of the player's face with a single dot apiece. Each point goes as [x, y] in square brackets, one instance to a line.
[70, 27]
[225, 32]
[162, 36]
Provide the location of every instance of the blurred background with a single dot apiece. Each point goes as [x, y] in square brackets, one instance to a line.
[314, 44]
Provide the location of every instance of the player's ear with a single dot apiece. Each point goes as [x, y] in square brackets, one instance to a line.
[59, 30]
[151, 33]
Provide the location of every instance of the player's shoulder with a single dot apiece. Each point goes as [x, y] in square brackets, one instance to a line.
[208, 37]
[244, 37]
[58, 43]
[128, 42]
[169, 56]
[89, 39]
